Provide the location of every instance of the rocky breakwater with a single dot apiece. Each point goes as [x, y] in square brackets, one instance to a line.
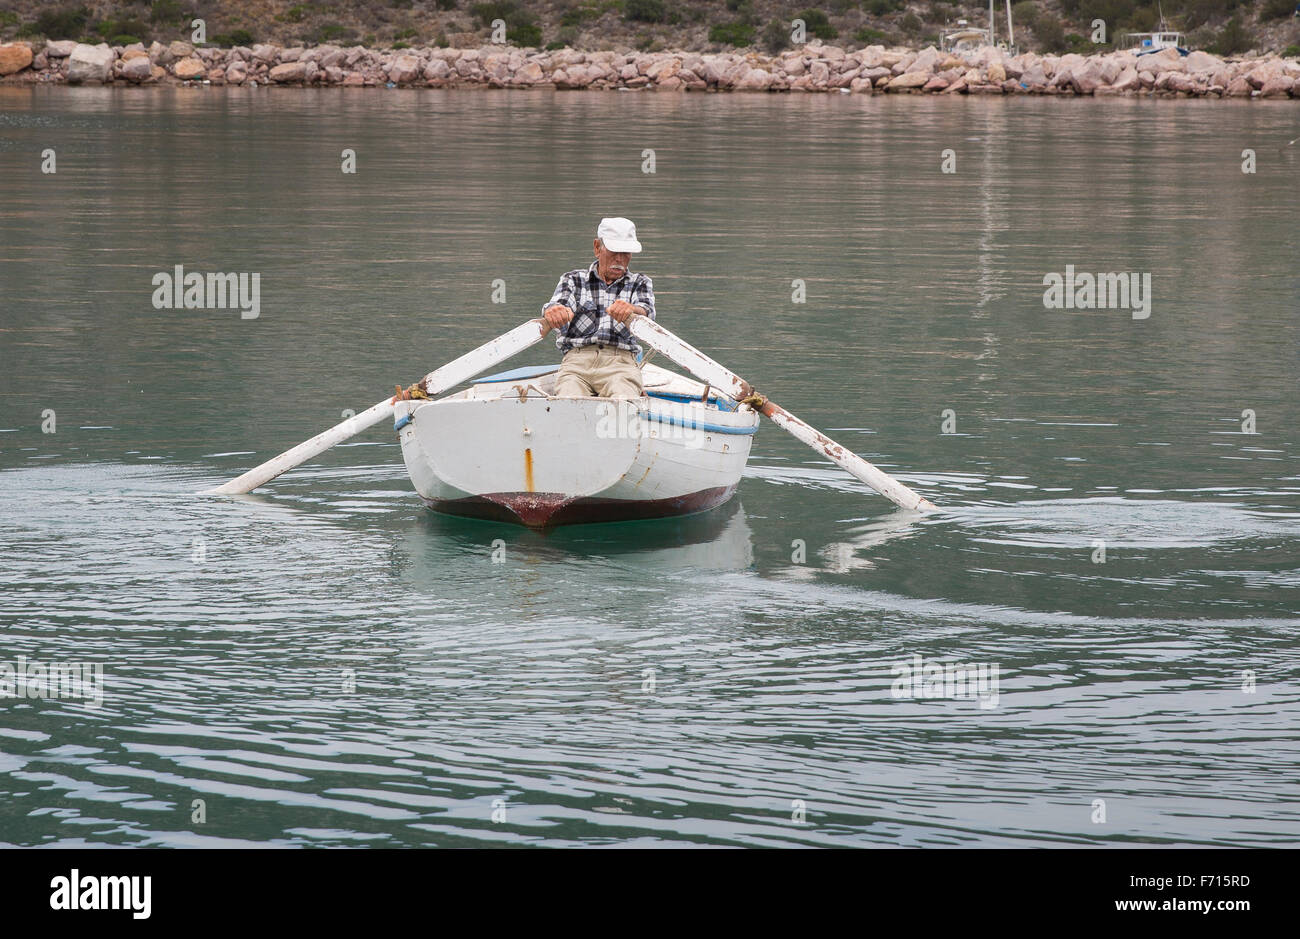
[811, 68]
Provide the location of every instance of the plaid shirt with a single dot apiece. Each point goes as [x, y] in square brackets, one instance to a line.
[589, 298]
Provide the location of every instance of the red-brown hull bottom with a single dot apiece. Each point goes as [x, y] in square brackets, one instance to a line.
[542, 510]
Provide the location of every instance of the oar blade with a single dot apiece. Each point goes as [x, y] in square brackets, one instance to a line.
[260, 475]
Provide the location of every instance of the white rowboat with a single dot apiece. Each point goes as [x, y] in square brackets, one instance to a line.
[522, 455]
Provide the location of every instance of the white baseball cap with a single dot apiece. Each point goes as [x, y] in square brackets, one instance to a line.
[618, 235]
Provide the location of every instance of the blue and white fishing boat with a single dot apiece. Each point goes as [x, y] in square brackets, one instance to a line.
[505, 448]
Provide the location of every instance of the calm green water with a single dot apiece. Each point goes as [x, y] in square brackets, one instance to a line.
[231, 632]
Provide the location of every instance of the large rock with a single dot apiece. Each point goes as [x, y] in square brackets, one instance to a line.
[137, 69]
[1127, 80]
[90, 63]
[1199, 61]
[237, 72]
[15, 57]
[60, 48]
[1264, 73]
[659, 71]
[530, 74]
[1166, 60]
[1108, 70]
[289, 72]
[1279, 87]
[405, 69]
[1087, 78]
[925, 61]
[997, 72]
[436, 69]
[188, 69]
[1034, 75]
[1239, 88]
[908, 80]
[265, 52]
[756, 79]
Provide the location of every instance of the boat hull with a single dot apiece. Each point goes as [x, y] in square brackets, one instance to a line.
[540, 461]
[541, 510]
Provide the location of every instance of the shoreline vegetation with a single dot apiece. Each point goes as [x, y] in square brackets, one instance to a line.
[813, 67]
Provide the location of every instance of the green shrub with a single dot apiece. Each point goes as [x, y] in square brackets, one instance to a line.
[521, 28]
[911, 24]
[524, 34]
[485, 13]
[1050, 33]
[745, 11]
[445, 5]
[401, 45]
[577, 16]
[1024, 13]
[1291, 52]
[409, 33]
[123, 39]
[1232, 39]
[296, 14]
[732, 34]
[817, 23]
[868, 35]
[166, 11]
[881, 7]
[236, 37]
[776, 36]
[121, 28]
[67, 23]
[644, 11]
[553, 45]
[1276, 9]
[1080, 44]
[334, 32]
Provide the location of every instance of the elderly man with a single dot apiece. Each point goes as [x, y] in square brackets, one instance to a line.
[590, 310]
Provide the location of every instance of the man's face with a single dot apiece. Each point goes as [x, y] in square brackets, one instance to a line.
[611, 265]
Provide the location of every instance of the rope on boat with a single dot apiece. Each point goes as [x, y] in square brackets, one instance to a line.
[754, 400]
[415, 392]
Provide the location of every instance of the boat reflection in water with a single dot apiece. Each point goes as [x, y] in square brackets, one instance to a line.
[716, 540]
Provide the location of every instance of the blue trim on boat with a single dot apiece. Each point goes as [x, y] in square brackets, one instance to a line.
[699, 425]
[721, 403]
[528, 371]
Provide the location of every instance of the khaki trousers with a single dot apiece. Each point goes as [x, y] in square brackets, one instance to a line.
[606, 371]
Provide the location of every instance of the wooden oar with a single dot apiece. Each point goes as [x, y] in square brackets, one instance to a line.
[732, 385]
[436, 382]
